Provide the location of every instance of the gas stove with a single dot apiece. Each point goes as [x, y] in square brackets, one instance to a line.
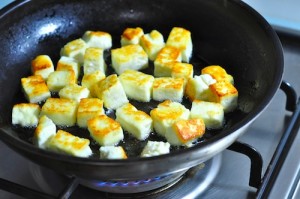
[271, 142]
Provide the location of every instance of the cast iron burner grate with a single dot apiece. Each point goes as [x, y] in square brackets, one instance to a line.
[197, 173]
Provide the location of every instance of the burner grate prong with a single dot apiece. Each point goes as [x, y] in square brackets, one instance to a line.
[256, 161]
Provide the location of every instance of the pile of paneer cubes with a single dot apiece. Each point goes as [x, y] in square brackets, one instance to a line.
[83, 99]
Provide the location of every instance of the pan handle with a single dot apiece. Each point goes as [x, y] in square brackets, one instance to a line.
[22, 190]
[31, 193]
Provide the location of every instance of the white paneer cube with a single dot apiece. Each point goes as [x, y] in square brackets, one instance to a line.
[68, 64]
[165, 60]
[42, 65]
[59, 79]
[181, 39]
[74, 92]
[129, 57]
[218, 73]
[112, 152]
[87, 109]
[137, 85]
[225, 94]
[166, 114]
[65, 142]
[105, 131]
[198, 87]
[61, 111]
[74, 49]
[98, 39]
[212, 113]
[44, 131]
[94, 61]
[35, 89]
[155, 148]
[25, 114]
[110, 90]
[185, 132]
[131, 36]
[137, 123]
[168, 88]
[152, 43]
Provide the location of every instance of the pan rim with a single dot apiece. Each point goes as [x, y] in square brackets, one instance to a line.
[22, 145]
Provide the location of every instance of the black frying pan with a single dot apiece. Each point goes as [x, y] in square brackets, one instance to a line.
[224, 32]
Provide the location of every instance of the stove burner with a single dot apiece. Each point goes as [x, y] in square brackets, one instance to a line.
[184, 184]
[136, 186]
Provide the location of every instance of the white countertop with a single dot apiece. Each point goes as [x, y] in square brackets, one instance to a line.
[4, 3]
[282, 15]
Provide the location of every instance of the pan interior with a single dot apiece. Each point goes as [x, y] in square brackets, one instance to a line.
[239, 44]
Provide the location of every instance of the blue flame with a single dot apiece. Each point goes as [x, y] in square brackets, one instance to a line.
[129, 183]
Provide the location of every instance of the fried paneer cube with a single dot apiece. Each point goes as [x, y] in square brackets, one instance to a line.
[184, 132]
[129, 57]
[137, 123]
[65, 142]
[218, 73]
[131, 36]
[94, 60]
[165, 60]
[212, 113]
[42, 65]
[75, 49]
[155, 148]
[182, 70]
[68, 64]
[35, 89]
[97, 39]
[225, 94]
[152, 43]
[74, 92]
[25, 114]
[44, 131]
[89, 80]
[59, 79]
[112, 152]
[137, 85]
[61, 111]
[198, 88]
[181, 39]
[166, 114]
[165, 88]
[87, 109]
[111, 91]
[105, 131]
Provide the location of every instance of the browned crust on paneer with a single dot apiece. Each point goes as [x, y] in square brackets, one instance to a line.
[223, 88]
[188, 130]
[41, 62]
[130, 33]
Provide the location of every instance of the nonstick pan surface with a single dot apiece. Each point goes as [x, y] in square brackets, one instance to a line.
[224, 32]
